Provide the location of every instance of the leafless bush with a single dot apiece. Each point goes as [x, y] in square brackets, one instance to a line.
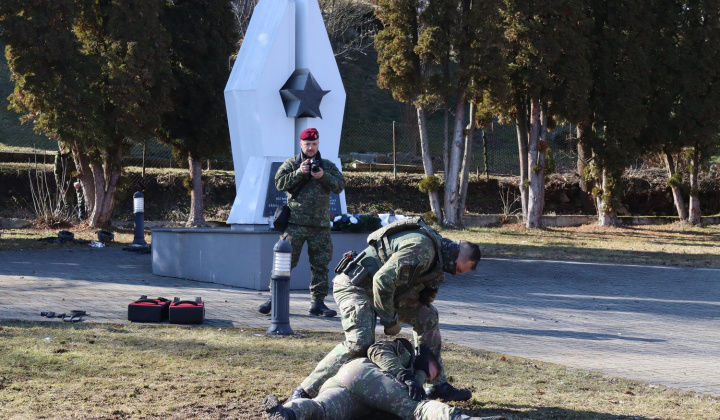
[46, 199]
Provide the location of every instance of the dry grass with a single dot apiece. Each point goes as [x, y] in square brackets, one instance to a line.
[95, 371]
[676, 244]
[32, 237]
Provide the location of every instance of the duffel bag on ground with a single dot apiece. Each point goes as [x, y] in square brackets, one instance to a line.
[148, 310]
[187, 311]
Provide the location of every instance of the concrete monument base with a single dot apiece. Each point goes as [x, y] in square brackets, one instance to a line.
[240, 256]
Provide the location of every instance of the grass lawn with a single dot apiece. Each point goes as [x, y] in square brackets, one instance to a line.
[96, 371]
[102, 371]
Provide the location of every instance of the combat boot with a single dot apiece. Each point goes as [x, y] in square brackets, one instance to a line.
[447, 392]
[317, 307]
[298, 393]
[265, 308]
[275, 410]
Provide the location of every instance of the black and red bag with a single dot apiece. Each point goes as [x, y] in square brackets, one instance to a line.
[187, 311]
[149, 310]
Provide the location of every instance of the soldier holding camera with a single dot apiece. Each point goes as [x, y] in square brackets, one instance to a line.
[308, 179]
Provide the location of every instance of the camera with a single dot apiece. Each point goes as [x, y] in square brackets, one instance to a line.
[314, 165]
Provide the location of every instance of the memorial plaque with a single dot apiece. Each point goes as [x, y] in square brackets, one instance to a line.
[275, 198]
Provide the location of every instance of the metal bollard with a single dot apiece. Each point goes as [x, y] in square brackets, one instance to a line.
[139, 210]
[280, 278]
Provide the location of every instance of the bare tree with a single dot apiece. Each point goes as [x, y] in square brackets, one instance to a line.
[242, 9]
[350, 25]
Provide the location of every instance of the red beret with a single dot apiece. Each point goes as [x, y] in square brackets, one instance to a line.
[309, 134]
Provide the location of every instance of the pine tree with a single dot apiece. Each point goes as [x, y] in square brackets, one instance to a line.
[203, 35]
[93, 74]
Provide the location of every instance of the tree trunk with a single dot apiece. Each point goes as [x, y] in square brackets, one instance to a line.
[197, 213]
[695, 216]
[677, 195]
[607, 214]
[536, 157]
[433, 196]
[588, 205]
[446, 138]
[451, 178]
[103, 185]
[467, 161]
[82, 165]
[521, 125]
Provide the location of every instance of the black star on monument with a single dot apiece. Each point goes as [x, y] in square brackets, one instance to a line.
[301, 95]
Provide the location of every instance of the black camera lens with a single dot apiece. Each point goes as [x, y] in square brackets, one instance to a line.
[314, 166]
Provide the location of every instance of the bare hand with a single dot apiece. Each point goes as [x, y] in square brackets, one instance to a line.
[305, 166]
[319, 174]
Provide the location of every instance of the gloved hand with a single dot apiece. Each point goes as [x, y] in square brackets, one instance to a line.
[427, 295]
[393, 329]
[415, 389]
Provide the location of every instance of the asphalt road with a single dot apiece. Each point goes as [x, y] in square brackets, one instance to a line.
[648, 323]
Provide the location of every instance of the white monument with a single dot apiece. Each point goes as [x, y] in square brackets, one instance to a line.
[284, 80]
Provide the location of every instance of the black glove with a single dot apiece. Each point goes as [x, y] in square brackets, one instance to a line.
[415, 389]
[427, 295]
[422, 360]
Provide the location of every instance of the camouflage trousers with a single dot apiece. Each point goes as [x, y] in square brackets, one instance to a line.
[361, 388]
[319, 251]
[358, 320]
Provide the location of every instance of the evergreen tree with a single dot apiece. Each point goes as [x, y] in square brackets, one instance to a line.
[429, 52]
[203, 39]
[548, 74]
[623, 37]
[95, 75]
[697, 107]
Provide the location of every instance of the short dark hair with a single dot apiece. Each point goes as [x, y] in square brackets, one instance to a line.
[471, 250]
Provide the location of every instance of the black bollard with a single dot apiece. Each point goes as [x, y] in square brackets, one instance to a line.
[139, 210]
[280, 278]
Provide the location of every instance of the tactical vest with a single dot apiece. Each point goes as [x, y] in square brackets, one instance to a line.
[380, 247]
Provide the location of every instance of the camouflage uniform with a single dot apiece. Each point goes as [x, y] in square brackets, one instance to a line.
[365, 385]
[310, 216]
[392, 291]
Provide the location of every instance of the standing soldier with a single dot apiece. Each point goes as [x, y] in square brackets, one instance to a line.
[389, 380]
[394, 279]
[308, 180]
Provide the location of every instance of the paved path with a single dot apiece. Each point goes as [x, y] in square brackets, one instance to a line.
[653, 324]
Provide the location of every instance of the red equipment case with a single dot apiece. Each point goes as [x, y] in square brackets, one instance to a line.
[187, 311]
[148, 310]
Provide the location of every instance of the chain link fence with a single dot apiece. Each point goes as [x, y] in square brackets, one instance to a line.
[365, 145]
[494, 151]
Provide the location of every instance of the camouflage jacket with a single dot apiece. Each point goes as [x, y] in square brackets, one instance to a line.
[392, 357]
[413, 265]
[311, 207]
